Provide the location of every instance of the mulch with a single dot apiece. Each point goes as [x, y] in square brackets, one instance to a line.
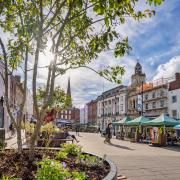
[13, 164]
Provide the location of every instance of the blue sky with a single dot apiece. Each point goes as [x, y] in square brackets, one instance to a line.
[155, 42]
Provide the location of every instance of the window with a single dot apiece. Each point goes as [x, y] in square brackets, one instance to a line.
[121, 107]
[65, 116]
[174, 99]
[162, 93]
[162, 103]
[153, 95]
[69, 111]
[147, 106]
[146, 96]
[174, 113]
[61, 116]
[154, 105]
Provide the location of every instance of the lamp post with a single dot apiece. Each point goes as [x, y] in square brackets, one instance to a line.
[2, 130]
[142, 99]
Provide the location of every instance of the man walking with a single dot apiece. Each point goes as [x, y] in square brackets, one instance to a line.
[108, 135]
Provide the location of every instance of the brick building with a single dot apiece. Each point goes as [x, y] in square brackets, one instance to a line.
[72, 114]
[92, 112]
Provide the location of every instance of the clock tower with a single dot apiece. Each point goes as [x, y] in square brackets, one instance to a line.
[138, 77]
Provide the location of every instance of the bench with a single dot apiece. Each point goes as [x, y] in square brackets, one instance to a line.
[55, 141]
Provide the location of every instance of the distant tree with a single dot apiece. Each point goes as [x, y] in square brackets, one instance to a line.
[79, 30]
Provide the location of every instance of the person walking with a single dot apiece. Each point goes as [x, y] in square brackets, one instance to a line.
[77, 130]
[108, 135]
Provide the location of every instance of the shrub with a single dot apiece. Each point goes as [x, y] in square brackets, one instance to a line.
[61, 155]
[71, 149]
[78, 175]
[52, 170]
[88, 160]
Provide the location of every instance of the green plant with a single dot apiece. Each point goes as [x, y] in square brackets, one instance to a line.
[79, 175]
[72, 149]
[9, 178]
[61, 155]
[161, 130]
[89, 160]
[52, 170]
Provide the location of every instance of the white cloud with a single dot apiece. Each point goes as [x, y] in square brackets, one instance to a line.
[168, 69]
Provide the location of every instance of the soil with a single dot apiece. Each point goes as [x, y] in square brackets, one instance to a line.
[13, 164]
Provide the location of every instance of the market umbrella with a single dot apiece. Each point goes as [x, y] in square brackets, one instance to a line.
[137, 121]
[121, 122]
[177, 126]
[162, 120]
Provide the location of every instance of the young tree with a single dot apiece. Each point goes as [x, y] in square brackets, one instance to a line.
[79, 30]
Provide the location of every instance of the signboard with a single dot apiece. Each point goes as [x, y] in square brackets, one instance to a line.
[139, 103]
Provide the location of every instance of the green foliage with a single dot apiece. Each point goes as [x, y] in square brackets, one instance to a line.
[29, 127]
[162, 130]
[88, 160]
[60, 100]
[52, 170]
[8, 178]
[71, 149]
[79, 175]
[61, 155]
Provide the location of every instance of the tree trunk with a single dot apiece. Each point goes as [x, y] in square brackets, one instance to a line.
[19, 140]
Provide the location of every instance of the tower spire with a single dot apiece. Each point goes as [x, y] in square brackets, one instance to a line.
[69, 90]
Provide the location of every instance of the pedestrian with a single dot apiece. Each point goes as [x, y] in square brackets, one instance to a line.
[77, 130]
[70, 136]
[108, 135]
[11, 128]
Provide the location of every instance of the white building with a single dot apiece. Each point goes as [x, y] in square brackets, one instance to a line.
[111, 106]
[174, 98]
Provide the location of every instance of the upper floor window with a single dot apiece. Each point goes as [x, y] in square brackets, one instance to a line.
[174, 113]
[174, 99]
[162, 103]
[153, 95]
[154, 104]
[147, 106]
[146, 96]
[121, 107]
[161, 93]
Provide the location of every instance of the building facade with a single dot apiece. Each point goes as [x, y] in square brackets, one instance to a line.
[72, 114]
[137, 79]
[155, 101]
[92, 112]
[174, 98]
[111, 106]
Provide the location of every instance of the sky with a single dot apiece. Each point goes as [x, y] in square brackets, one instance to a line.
[155, 44]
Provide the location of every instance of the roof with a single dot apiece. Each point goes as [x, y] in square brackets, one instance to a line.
[161, 121]
[137, 121]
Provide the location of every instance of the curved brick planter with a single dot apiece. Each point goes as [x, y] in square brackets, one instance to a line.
[112, 175]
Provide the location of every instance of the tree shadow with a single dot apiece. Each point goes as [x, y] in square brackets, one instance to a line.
[122, 147]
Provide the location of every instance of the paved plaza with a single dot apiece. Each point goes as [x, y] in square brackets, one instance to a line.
[136, 161]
